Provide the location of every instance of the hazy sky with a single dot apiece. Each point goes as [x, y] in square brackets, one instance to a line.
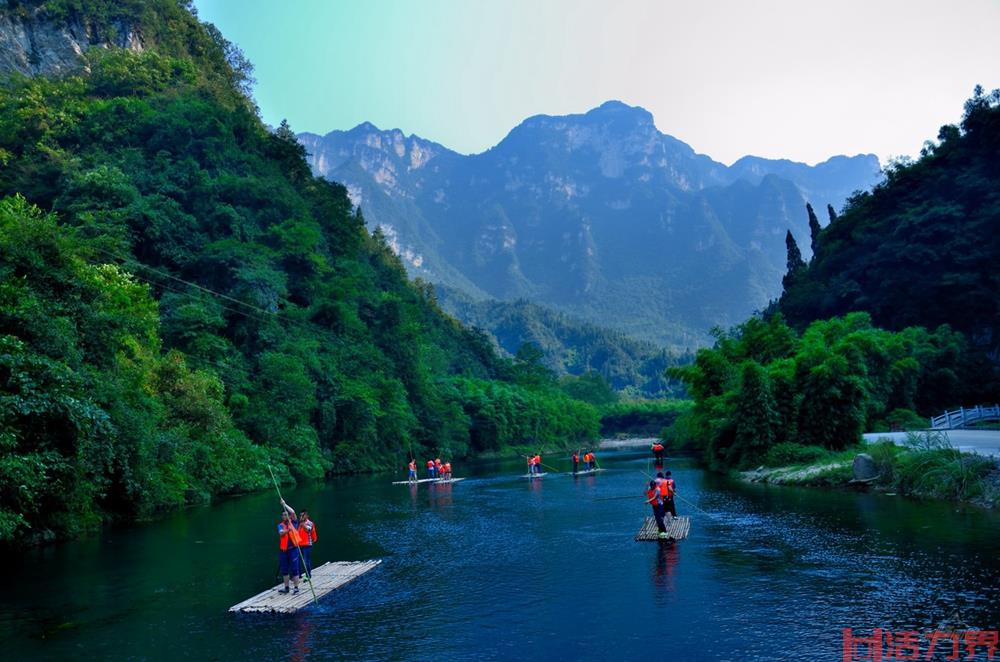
[795, 79]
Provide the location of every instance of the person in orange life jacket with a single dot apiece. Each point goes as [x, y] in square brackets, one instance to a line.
[307, 536]
[413, 469]
[668, 503]
[591, 460]
[531, 464]
[446, 469]
[537, 461]
[430, 469]
[288, 547]
[576, 461]
[653, 499]
[437, 467]
[658, 451]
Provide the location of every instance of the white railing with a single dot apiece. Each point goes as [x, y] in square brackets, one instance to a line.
[961, 417]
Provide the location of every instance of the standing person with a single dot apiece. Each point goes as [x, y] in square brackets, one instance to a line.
[413, 470]
[593, 460]
[446, 468]
[668, 503]
[307, 536]
[654, 500]
[538, 463]
[576, 461]
[288, 547]
[437, 467]
[430, 469]
[658, 451]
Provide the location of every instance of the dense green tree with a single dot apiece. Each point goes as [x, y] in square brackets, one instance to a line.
[814, 228]
[762, 384]
[921, 248]
[756, 415]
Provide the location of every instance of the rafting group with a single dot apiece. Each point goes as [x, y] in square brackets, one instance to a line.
[589, 461]
[660, 495]
[436, 470]
[296, 535]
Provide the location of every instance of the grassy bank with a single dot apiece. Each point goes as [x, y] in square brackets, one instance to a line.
[927, 466]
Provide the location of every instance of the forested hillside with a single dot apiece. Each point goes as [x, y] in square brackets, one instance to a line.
[896, 316]
[182, 303]
[921, 248]
[572, 347]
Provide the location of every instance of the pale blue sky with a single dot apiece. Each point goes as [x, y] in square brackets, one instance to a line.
[777, 78]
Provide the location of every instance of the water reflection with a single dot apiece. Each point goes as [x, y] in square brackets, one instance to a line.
[302, 641]
[441, 495]
[667, 556]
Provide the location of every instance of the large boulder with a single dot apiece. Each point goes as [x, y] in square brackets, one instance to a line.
[865, 468]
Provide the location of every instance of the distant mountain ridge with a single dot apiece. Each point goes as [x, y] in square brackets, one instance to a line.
[599, 215]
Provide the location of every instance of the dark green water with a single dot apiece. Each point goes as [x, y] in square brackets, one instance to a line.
[499, 567]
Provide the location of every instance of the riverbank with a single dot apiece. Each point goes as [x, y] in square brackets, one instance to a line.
[926, 467]
[630, 442]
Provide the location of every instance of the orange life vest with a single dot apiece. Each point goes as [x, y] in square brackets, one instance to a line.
[657, 447]
[303, 536]
[537, 459]
[286, 534]
[670, 486]
[413, 465]
[664, 489]
[307, 537]
[651, 497]
[430, 463]
[447, 467]
[437, 463]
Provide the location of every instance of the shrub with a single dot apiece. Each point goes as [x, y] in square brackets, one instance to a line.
[784, 454]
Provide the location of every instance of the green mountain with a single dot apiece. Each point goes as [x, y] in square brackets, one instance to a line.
[184, 307]
[571, 347]
[922, 247]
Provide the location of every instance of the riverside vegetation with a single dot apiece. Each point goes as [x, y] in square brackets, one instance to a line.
[918, 251]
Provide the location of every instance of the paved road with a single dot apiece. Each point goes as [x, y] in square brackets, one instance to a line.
[984, 442]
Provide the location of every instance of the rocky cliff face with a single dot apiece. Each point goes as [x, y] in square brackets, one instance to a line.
[31, 43]
[599, 214]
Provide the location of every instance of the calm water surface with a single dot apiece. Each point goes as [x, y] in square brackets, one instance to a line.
[499, 567]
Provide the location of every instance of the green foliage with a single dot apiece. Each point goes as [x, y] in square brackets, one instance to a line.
[787, 453]
[571, 347]
[204, 307]
[921, 248]
[589, 387]
[757, 417]
[642, 417]
[93, 419]
[933, 468]
[762, 386]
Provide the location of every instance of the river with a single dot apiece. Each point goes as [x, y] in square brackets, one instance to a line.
[500, 567]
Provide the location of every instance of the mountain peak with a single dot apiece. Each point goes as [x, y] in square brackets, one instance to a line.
[619, 109]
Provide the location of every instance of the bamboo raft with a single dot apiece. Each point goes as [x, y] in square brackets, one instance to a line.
[428, 480]
[677, 529]
[327, 577]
